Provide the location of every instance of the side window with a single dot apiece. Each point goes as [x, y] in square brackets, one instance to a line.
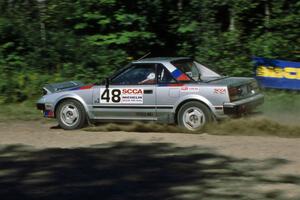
[163, 75]
[189, 68]
[139, 74]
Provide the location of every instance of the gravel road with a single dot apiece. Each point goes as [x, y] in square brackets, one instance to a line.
[39, 160]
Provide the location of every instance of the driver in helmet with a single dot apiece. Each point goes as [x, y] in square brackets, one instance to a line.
[149, 80]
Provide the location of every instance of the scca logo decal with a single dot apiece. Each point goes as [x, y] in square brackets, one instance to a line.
[132, 91]
[277, 72]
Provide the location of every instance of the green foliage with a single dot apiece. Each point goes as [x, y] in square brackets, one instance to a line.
[58, 40]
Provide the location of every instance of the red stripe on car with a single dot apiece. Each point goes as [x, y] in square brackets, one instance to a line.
[86, 87]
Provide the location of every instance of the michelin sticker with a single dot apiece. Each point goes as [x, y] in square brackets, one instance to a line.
[121, 95]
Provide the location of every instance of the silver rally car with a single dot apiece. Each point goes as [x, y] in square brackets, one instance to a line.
[166, 90]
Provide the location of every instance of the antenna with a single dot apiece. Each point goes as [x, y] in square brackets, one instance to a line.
[144, 56]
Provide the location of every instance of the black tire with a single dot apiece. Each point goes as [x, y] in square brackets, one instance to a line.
[78, 110]
[204, 115]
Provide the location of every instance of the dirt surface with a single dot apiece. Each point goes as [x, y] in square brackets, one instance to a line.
[39, 160]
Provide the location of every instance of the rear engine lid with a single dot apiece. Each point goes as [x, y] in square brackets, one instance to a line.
[238, 87]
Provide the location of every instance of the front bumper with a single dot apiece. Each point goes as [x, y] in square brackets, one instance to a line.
[244, 105]
[46, 109]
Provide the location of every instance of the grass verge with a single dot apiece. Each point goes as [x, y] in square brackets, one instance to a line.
[25, 111]
[282, 107]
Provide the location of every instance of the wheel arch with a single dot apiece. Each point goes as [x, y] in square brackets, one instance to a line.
[202, 100]
[76, 98]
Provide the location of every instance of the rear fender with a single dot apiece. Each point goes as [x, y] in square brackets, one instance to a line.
[193, 97]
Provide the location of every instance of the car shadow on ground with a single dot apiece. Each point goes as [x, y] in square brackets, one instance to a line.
[128, 170]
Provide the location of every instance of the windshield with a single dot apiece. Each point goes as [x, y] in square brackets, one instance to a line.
[189, 68]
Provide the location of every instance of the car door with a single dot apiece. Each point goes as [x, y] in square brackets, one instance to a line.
[130, 95]
[167, 93]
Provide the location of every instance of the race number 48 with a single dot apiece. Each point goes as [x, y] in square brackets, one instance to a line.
[121, 95]
[113, 95]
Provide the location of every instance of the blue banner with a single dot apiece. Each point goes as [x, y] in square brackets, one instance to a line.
[278, 74]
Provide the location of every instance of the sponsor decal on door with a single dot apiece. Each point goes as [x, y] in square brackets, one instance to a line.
[121, 95]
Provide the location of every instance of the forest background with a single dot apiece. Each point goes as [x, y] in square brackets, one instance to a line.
[44, 41]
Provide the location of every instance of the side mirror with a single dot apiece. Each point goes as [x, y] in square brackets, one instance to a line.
[106, 82]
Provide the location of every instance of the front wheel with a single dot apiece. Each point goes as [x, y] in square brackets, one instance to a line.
[70, 115]
[193, 116]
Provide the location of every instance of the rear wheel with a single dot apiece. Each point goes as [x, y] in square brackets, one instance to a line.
[193, 116]
[70, 115]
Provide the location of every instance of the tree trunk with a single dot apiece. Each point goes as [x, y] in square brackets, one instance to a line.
[179, 5]
[41, 7]
[231, 20]
[267, 12]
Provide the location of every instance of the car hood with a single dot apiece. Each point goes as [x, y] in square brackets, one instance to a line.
[60, 87]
